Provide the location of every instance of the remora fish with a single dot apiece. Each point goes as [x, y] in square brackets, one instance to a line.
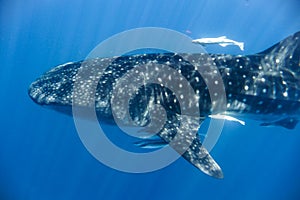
[264, 86]
[222, 41]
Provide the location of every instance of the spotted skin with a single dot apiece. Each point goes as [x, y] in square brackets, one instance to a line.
[263, 86]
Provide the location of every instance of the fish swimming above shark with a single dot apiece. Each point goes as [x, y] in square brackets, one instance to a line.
[264, 86]
[222, 41]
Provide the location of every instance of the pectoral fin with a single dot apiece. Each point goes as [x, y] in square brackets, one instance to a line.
[200, 158]
[194, 152]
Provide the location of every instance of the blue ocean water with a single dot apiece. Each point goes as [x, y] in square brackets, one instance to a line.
[41, 154]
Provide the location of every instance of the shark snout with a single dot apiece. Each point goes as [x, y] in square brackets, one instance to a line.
[36, 93]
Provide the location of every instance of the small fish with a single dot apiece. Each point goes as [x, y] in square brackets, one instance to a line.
[222, 41]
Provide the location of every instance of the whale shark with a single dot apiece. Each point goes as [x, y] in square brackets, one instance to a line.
[264, 86]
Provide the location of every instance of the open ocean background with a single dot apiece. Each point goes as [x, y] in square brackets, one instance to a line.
[41, 155]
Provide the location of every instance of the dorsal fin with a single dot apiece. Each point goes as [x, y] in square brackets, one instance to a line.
[285, 54]
[292, 40]
[268, 50]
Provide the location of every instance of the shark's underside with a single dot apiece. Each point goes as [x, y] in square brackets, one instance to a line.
[264, 86]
